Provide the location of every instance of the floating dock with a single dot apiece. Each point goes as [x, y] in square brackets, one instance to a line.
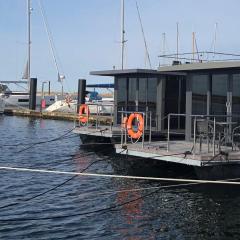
[181, 152]
[53, 115]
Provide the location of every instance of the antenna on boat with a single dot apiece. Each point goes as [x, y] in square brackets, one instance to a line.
[177, 40]
[123, 41]
[144, 38]
[215, 39]
[61, 77]
[193, 46]
[164, 46]
[196, 46]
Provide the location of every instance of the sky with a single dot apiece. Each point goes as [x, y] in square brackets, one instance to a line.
[86, 34]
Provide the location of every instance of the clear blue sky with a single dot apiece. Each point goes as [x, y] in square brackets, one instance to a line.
[86, 34]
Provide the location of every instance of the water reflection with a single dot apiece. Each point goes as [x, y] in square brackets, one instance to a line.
[197, 212]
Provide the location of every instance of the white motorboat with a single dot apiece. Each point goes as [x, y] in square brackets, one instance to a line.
[17, 98]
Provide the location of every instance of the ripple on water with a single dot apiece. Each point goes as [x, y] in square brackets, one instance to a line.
[181, 213]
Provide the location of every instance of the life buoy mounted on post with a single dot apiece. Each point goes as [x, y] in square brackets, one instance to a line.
[140, 125]
[84, 113]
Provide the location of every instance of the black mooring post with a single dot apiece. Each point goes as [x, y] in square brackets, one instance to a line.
[32, 93]
[81, 92]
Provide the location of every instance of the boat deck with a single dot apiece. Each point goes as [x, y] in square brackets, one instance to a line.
[99, 131]
[181, 152]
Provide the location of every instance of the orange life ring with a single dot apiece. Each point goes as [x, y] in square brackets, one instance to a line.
[84, 113]
[124, 122]
[135, 134]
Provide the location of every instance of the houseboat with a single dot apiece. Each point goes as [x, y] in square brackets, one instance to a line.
[183, 113]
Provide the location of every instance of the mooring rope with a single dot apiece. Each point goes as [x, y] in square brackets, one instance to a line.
[116, 176]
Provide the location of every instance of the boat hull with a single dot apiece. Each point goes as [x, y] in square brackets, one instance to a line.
[23, 100]
[224, 171]
[2, 105]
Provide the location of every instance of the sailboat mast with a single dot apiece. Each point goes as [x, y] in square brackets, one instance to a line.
[29, 42]
[122, 33]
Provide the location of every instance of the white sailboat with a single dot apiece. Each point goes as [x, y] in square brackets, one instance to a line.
[21, 98]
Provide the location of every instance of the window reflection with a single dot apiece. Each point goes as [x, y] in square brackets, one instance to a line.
[142, 94]
[199, 94]
[127, 97]
[121, 96]
[132, 87]
[219, 93]
[236, 94]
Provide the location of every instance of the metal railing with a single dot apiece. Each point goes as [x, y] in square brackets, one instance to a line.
[97, 113]
[217, 128]
[147, 127]
[218, 131]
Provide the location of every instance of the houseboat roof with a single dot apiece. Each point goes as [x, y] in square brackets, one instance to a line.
[188, 67]
[136, 71]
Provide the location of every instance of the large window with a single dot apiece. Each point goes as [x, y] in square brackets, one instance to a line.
[132, 96]
[121, 86]
[152, 84]
[199, 94]
[219, 93]
[136, 94]
[122, 91]
[236, 94]
[142, 101]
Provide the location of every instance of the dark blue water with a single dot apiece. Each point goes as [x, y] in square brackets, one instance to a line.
[196, 212]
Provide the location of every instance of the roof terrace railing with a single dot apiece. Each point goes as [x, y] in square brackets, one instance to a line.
[196, 57]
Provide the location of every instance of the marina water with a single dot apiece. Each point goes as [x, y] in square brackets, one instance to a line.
[193, 212]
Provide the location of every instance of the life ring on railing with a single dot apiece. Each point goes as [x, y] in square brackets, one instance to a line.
[84, 113]
[124, 123]
[131, 132]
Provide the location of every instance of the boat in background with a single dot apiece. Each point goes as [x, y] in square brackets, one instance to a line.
[2, 104]
[21, 99]
[97, 104]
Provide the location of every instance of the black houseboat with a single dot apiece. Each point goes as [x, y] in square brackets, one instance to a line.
[185, 113]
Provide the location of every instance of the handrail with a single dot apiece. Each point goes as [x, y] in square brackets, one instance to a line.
[201, 115]
[147, 126]
[226, 128]
[98, 115]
